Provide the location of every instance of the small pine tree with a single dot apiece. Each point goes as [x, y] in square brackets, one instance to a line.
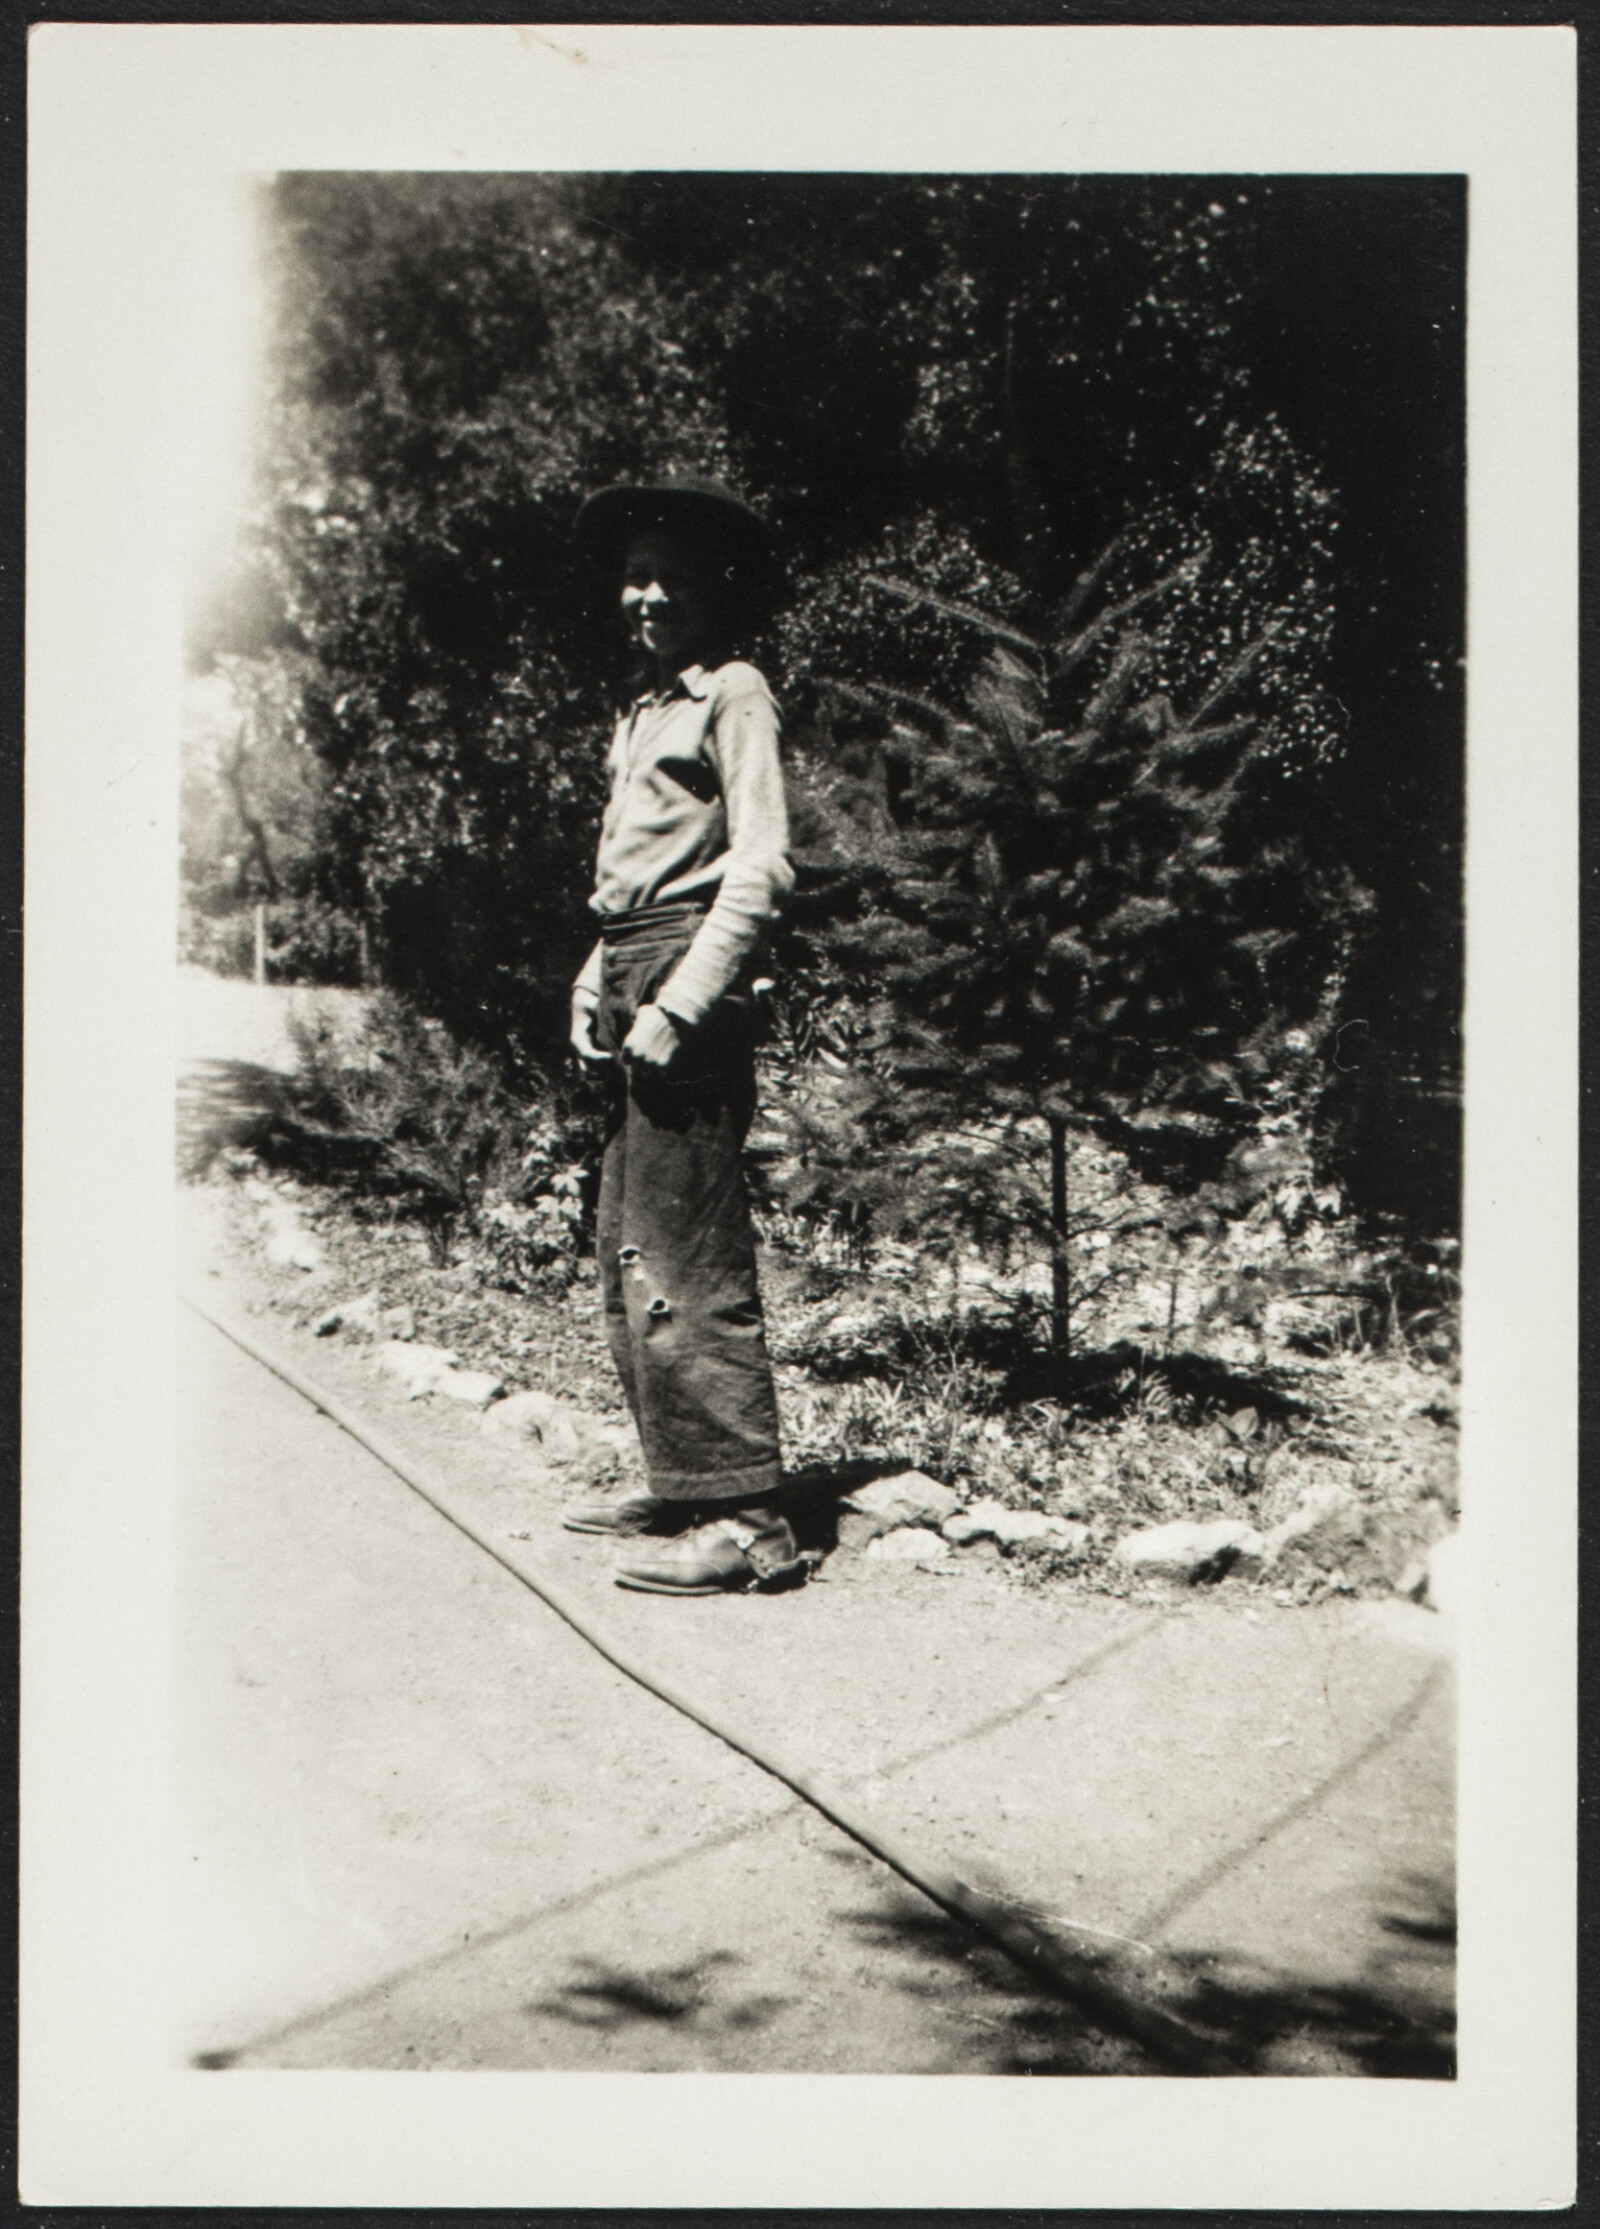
[1078, 904]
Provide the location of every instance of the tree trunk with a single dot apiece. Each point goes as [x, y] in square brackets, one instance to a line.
[232, 772]
[1060, 1269]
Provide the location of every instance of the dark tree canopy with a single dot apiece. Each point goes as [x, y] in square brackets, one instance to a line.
[972, 384]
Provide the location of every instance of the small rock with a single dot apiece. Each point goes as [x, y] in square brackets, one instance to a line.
[856, 1530]
[965, 1528]
[911, 1544]
[419, 1368]
[991, 1520]
[1328, 1528]
[399, 1323]
[1250, 1561]
[289, 1245]
[522, 1415]
[560, 1441]
[542, 1418]
[1412, 1583]
[1188, 1551]
[909, 1498]
[477, 1388]
[563, 1434]
[328, 1323]
[1060, 1539]
[362, 1317]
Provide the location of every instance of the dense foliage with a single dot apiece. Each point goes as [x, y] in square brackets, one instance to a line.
[986, 390]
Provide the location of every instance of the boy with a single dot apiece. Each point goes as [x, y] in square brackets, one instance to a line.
[693, 867]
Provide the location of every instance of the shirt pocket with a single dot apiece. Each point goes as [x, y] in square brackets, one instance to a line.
[696, 776]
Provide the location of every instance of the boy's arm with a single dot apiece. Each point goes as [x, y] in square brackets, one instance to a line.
[586, 990]
[587, 986]
[585, 1006]
[758, 877]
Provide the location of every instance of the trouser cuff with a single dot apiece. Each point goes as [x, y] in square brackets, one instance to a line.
[758, 1484]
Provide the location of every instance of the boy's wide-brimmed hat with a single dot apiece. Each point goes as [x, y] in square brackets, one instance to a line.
[726, 526]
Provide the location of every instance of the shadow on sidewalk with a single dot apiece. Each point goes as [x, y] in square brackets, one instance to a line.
[609, 1998]
[966, 2009]
[223, 1103]
[1396, 2019]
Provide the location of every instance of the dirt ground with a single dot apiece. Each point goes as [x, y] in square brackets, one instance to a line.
[422, 1824]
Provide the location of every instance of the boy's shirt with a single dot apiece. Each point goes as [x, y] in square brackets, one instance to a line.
[697, 812]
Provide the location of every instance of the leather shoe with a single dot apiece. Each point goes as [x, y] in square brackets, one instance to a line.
[747, 1549]
[639, 1513]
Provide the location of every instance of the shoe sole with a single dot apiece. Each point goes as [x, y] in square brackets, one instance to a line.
[656, 1586]
[735, 1585]
[616, 1532]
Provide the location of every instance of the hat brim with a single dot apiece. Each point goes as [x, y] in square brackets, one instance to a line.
[701, 513]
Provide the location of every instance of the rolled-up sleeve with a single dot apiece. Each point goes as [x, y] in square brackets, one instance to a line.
[587, 987]
[757, 877]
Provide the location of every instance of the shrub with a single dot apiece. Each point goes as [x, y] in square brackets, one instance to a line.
[411, 1115]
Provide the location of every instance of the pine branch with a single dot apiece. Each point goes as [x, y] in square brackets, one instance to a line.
[1188, 742]
[908, 594]
[1231, 679]
[1069, 658]
[1184, 741]
[1089, 580]
[875, 693]
[1007, 725]
[1132, 657]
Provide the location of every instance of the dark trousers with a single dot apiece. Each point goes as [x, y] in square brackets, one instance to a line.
[677, 1253]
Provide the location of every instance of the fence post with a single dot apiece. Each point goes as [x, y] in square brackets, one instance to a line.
[261, 943]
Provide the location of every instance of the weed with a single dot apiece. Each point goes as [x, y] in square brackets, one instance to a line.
[428, 1124]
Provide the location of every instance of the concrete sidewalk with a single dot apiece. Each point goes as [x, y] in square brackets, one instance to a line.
[423, 1824]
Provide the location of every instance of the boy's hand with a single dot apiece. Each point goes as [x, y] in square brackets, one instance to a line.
[583, 1044]
[653, 1039]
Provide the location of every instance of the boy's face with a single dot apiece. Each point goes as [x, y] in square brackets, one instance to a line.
[667, 603]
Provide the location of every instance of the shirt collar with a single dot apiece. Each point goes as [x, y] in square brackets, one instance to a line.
[694, 681]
